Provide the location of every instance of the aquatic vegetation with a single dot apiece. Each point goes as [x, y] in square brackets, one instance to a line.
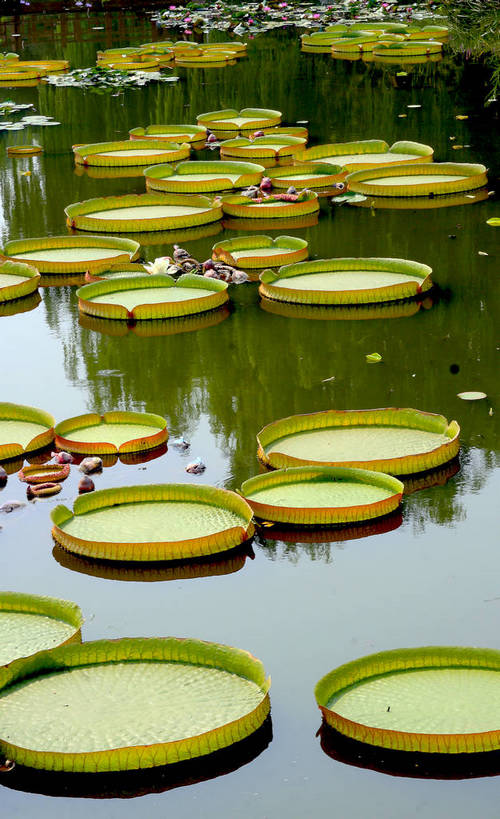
[410, 48]
[172, 133]
[113, 432]
[322, 495]
[471, 395]
[151, 297]
[17, 280]
[119, 271]
[40, 473]
[70, 254]
[103, 79]
[271, 207]
[173, 699]
[269, 146]
[131, 152]
[346, 281]
[314, 175]
[23, 429]
[435, 699]
[254, 252]
[163, 522]
[353, 156]
[418, 180]
[248, 119]
[202, 177]
[398, 441]
[142, 212]
[31, 623]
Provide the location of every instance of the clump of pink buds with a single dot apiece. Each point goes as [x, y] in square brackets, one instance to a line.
[266, 184]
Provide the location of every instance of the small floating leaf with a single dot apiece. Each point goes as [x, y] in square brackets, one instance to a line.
[494, 221]
[350, 198]
[471, 396]
[482, 253]
[461, 116]
[373, 358]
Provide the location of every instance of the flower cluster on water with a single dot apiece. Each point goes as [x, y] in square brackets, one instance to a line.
[108, 79]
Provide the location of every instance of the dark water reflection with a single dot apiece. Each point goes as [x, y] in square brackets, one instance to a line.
[302, 607]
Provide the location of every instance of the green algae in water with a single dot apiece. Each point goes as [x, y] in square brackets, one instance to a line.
[132, 298]
[22, 634]
[19, 432]
[113, 705]
[434, 701]
[152, 521]
[110, 433]
[353, 444]
[346, 280]
[321, 494]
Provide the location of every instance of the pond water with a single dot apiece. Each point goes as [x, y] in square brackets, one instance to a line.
[430, 577]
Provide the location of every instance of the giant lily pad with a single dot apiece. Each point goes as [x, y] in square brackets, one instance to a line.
[23, 429]
[152, 297]
[132, 270]
[170, 133]
[418, 180]
[434, 699]
[111, 433]
[346, 281]
[70, 254]
[322, 495]
[17, 280]
[142, 212]
[149, 702]
[200, 177]
[368, 153]
[434, 32]
[313, 175]
[131, 152]
[398, 441]
[30, 623]
[248, 119]
[409, 48]
[254, 252]
[270, 208]
[269, 146]
[144, 523]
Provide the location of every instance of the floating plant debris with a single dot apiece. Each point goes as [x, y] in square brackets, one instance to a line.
[163, 522]
[30, 623]
[41, 473]
[398, 441]
[108, 79]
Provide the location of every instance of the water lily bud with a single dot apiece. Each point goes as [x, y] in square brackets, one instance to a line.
[86, 484]
[62, 457]
[3, 476]
[89, 465]
[211, 138]
[266, 184]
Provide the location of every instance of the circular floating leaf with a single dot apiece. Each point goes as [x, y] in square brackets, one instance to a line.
[245, 120]
[409, 48]
[149, 702]
[346, 281]
[70, 254]
[201, 177]
[269, 208]
[264, 146]
[30, 623]
[418, 180]
[41, 473]
[144, 523]
[471, 396]
[131, 152]
[171, 133]
[17, 280]
[142, 212]
[254, 252]
[154, 297]
[23, 429]
[314, 175]
[322, 496]
[369, 153]
[494, 221]
[398, 441]
[112, 432]
[433, 699]
[24, 150]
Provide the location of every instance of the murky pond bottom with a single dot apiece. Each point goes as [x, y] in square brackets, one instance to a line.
[302, 605]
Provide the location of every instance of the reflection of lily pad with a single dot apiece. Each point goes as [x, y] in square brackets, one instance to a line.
[23, 429]
[398, 441]
[322, 496]
[29, 623]
[151, 297]
[149, 702]
[111, 433]
[434, 699]
[151, 523]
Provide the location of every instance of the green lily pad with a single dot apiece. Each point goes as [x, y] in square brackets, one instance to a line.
[29, 623]
[112, 432]
[128, 704]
